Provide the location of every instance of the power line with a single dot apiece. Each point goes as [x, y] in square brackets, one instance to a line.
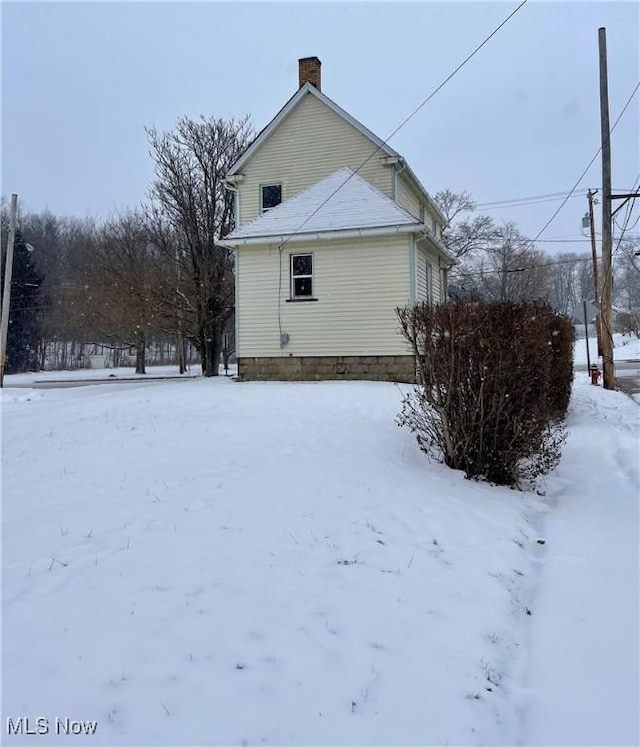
[523, 199]
[573, 241]
[580, 178]
[628, 214]
[483, 208]
[405, 121]
[524, 268]
[627, 217]
[516, 200]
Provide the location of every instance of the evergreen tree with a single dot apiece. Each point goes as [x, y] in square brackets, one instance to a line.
[25, 314]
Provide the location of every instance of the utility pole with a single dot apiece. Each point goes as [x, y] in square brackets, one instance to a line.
[608, 369]
[6, 294]
[586, 335]
[592, 225]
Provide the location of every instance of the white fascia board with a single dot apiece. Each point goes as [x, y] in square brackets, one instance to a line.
[425, 194]
[288, 107]
[350, 233]
[427, 235]
[385, 149]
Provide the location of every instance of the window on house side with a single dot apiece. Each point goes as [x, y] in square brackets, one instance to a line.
[270, 196]
[301, 276]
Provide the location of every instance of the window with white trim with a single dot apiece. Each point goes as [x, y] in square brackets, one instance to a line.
[270, 196]
[429, 281]
[301, 276]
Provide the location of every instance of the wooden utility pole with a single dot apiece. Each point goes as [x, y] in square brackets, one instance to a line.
[586, 335]
[608, 369]
[596, 282]
[6, 293]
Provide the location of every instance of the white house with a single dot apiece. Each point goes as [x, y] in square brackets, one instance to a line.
[334, 232]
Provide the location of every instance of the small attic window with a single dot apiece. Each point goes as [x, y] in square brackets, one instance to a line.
[270, 196]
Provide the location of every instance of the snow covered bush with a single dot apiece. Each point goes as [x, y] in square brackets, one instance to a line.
[493, 385]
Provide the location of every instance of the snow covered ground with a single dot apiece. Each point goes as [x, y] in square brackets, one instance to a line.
[584, 652]
[625, 347]
[90, 374]
[267, 563]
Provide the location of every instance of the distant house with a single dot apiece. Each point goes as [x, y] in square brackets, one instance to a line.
[334, 231]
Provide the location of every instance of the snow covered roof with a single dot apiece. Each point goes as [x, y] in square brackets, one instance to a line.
[342, 201]
[309, 89]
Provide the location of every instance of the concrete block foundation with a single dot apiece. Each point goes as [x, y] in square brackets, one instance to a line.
[400, 368]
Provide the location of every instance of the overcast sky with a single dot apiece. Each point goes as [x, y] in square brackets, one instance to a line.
[81, 80]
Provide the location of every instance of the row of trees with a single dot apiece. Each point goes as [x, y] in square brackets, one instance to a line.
[498, 263]
[156, 272]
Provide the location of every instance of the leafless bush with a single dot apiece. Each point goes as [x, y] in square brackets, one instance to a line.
[489, 397]
[628, 322]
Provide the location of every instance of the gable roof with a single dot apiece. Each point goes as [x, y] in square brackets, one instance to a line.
[358, 206]
[307, 88]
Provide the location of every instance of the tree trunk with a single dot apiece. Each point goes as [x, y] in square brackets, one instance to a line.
[141, 349]
[180, 352]
[211, 367]
[212, 347]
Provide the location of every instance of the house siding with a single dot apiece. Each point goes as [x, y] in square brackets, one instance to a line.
[406, 196]
[309, 144]
[427, 254]
[358, 285]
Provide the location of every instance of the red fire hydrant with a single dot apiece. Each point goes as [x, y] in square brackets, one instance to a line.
[595, 374]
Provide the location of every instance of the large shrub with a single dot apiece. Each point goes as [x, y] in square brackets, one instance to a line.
[493, 384]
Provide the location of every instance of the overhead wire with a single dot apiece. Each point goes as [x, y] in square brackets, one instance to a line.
[627, 218]
[524, 268]
[582, 175]
[406, 120]
[624, 227]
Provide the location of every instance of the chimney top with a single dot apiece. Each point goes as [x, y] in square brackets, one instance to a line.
[309, 71]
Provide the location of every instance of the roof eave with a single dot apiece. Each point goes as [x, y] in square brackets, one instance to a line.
[233, 243]
[439, 245]
[425, 194]
[385, 149]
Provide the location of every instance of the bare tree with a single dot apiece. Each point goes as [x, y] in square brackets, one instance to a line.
[191, 210]
[509, 269]
[115, 289]
[571, 279]
[465, 236]
[626, 286]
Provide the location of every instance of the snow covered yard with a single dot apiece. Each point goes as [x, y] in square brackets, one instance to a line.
[220, 563]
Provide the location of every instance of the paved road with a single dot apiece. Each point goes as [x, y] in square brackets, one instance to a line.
[70, 383]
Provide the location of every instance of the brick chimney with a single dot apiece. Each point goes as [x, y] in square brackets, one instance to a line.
[309, 71]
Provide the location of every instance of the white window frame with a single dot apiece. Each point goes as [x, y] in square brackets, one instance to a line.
[292, 289]
[264, 186]
[429, 282]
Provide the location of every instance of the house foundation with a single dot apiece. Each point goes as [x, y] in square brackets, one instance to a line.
[399, 368]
